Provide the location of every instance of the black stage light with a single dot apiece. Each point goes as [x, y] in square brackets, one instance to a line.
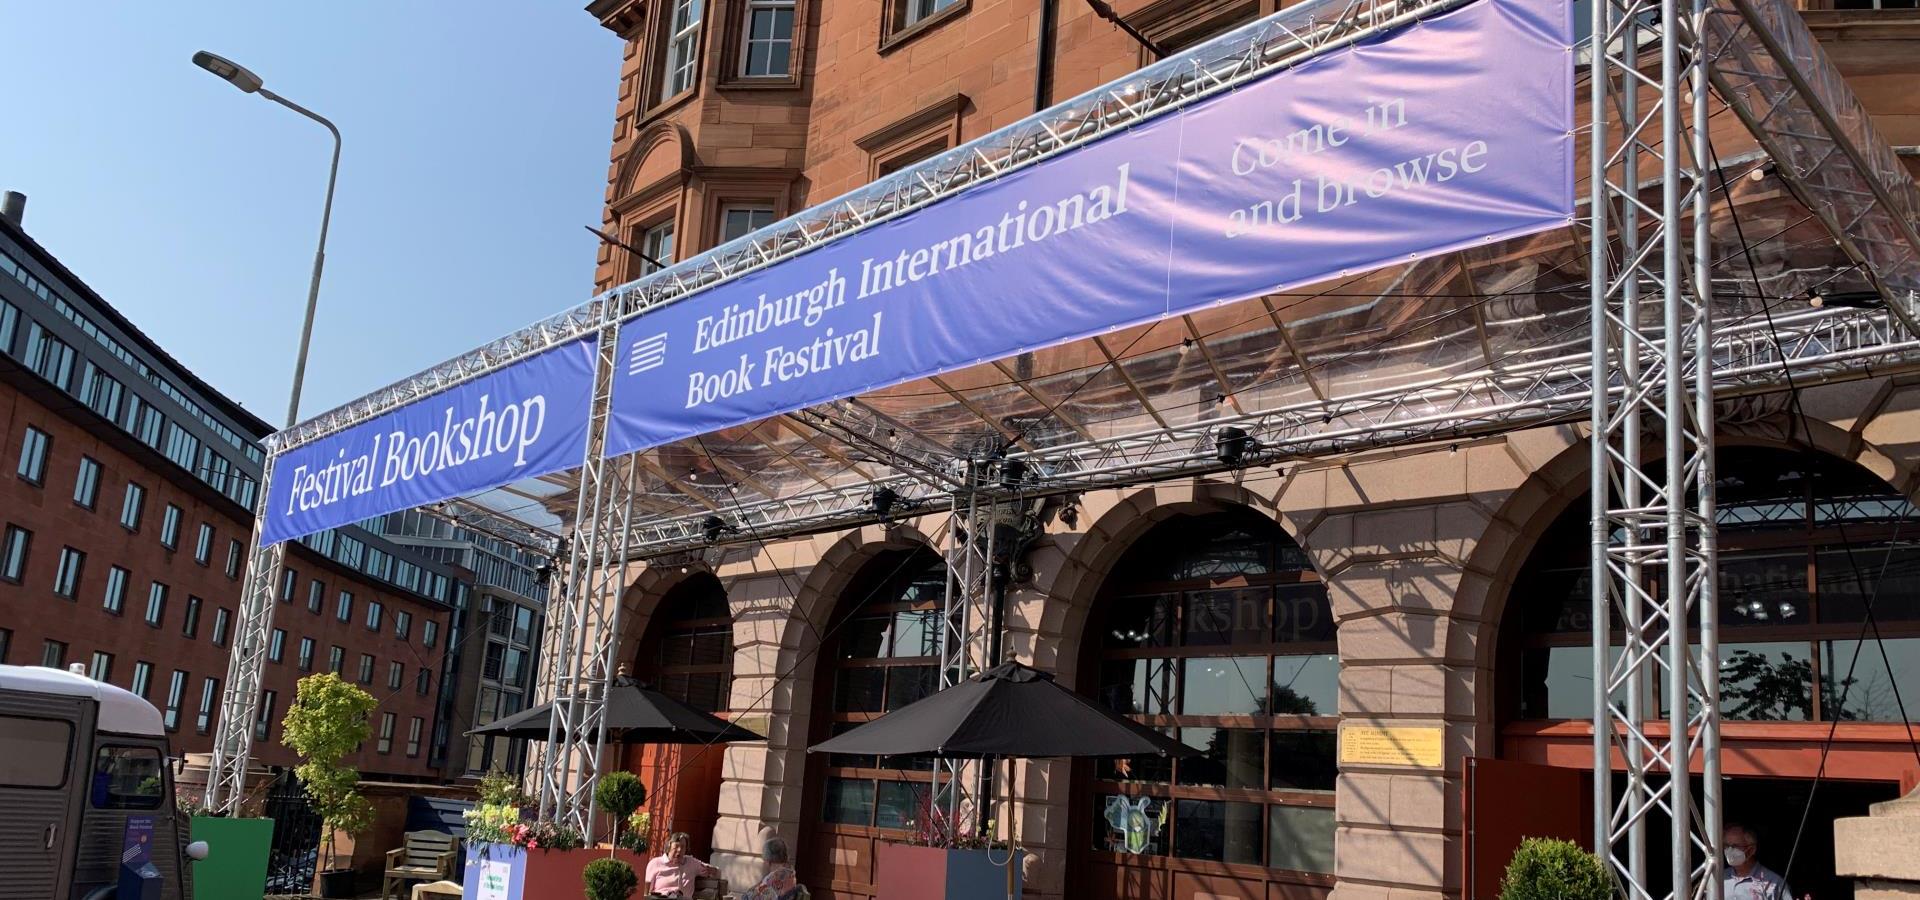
[714, 526]
[883, 501]
[1230, 444]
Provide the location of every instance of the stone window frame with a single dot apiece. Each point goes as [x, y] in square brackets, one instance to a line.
[645, 26]
[739, 186]
[894, 35]
[733, 43]
[1181, 23]
[920, 134]
[646, 208]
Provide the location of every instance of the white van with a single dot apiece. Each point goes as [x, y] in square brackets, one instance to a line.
[84, 782]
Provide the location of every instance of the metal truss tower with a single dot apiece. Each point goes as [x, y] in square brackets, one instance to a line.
[975, 543]
[1656, 699]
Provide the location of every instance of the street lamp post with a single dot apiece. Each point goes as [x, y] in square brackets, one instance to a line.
[238, 76]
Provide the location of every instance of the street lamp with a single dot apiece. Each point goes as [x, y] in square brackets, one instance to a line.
[237, 75]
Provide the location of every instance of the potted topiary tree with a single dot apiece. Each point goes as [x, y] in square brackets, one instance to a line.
[1548, 869]
[609, 879]
[327, 721]
[618, 794]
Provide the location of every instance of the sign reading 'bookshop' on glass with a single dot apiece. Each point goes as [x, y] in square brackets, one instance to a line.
[525, 420]
[1443, 134]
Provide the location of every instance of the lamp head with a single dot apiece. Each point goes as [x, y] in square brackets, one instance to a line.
[229, 71]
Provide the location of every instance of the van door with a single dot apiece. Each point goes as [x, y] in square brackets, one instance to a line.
[43, 743]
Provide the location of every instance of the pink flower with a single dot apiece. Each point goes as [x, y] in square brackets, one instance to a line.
[533, 845]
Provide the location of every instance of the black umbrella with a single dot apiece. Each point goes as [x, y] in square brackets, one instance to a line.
[635, 715]
[1010, 710]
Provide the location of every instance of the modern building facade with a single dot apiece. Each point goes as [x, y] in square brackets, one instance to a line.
[127, 511]
[495, 635]
[1264, 617]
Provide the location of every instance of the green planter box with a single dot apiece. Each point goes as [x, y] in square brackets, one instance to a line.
[236, 863]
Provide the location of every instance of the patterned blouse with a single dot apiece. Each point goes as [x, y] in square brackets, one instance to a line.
[780, 884]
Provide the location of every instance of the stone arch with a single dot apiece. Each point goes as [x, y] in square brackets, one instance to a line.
[660, 151]
[1046, 618]
[1563, 480]
[642, 598]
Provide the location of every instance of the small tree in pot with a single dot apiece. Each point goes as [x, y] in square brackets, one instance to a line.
[609, 879]
[618, 794]
[328, 720]
[1548, 869]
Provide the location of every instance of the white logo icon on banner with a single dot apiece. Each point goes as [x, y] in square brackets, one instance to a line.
[647, 353]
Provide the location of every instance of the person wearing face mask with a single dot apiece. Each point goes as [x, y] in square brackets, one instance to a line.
[1746, 878]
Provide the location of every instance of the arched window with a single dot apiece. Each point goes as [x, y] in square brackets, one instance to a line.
[1217, 630]
[883, 656]
[688, 654]
[1805, 541]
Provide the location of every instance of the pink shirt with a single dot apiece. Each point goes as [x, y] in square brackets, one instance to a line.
[666, 878]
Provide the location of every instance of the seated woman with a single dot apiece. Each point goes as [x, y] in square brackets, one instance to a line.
[672, 873]
[780, 882]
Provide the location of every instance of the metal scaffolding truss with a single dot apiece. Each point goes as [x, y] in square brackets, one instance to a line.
[246, 664]
[1488, 340]
[1818, 345]
[1654, 529]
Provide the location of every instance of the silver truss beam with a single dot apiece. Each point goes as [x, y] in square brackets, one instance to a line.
[966, 624]
[1553, 384]
[480, 519]
[246, 665]
[584, 630]
[1257, 49]
[1653, 562]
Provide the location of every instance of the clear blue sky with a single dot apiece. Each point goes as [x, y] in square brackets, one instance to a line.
[476, 146]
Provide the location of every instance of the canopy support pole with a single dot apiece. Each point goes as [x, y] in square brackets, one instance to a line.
[1653, 538]
[246, 665]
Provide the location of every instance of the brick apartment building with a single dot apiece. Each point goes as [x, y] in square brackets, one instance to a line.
[126, 489]
[735, 113]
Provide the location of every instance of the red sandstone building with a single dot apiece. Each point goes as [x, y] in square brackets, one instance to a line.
[126, 485]
[1436, 591]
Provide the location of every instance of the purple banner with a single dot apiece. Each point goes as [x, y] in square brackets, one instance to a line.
[1447, 133]
[525, 420]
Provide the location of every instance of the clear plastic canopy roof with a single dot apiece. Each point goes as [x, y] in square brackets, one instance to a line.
[1474, 342]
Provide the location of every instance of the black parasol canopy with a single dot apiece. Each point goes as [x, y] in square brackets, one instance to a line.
[635, 715]
[1010, 710]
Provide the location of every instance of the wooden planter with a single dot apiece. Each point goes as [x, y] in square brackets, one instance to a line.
[506, 872]
[907, 872]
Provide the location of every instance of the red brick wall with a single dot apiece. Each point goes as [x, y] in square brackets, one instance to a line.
[34, 614]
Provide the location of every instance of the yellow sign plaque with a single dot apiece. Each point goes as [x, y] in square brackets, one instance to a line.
[1393, 745]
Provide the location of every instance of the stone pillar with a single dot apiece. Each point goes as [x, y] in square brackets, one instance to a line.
[1878, 850]
[1398, 537]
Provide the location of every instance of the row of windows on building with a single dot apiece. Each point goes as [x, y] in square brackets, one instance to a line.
[173, 706]
[345, 604]
[765, 40]
[493, 562]
[52, 359]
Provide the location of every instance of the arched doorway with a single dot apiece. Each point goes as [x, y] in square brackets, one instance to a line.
[1805, 540]
[880, 652]
[1217, 629]
[687, 654]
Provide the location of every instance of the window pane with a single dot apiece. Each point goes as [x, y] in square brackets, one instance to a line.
[33, 752]
[127, 778]
[1306, 685]
[1302, 614]
[1218, 830]
[1870, 696]
[1229, 757]
[1766, 682]
[898, 803]
[864, 638]
[1220, 618]
[1135, 826]
[906, 684]
[1896, 598]
[849, 801]
[1303, 761]
[1764, 589]
[1138, 687]
[1300, 838]
[859, 690]
[1224, 687]
[916, 633]
[1139, 622]
[1150, 768]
